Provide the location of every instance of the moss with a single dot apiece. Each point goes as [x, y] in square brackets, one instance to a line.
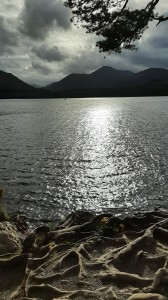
[3, 212]
[1, 193]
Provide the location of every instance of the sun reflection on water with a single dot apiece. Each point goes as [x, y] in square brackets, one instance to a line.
[98, 127]
[94, 154]
[99, 124]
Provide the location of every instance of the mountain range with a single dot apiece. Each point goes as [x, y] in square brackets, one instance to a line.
[13, 87]
[104, 82]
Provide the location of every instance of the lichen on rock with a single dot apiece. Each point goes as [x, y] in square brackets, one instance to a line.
[10, 239]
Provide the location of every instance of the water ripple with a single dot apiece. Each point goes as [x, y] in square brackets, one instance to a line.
[95, 154]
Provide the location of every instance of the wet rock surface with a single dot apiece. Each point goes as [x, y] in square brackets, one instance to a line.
[91, 257]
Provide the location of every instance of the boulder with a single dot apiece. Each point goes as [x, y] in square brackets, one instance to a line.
[10, 240]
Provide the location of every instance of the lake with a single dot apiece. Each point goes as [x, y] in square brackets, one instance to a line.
[100, 154]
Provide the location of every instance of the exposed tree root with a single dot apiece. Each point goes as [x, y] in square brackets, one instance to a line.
[114, 275]
[148, 296]
[46, 292]
[92, 257]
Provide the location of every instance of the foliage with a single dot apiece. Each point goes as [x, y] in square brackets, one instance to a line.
[113, 20]
[3, 213]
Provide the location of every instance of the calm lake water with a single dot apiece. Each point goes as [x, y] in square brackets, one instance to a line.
[108, 154]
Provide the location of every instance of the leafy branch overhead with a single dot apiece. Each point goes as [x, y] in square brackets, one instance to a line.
[117, 25]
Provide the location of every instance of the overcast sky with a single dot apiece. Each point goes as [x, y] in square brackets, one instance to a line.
[39, 45]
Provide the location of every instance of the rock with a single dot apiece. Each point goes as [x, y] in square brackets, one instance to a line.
[147, 296]
[20, 222]
[10, 241]
[28, 243]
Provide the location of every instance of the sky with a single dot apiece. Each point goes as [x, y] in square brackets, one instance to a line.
[40, 45]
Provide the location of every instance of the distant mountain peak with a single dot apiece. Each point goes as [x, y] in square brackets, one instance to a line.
[13, 87]
[104, 69]
[106, 81]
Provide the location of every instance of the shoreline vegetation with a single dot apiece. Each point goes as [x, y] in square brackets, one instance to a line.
[86, 256]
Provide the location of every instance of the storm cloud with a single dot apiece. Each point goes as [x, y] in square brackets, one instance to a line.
[8, 38]
[159, 38]
[39, 44]
[41, 68]
[52, 54]
[39, 17]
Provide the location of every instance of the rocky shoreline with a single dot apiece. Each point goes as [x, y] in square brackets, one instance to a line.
[86, 257]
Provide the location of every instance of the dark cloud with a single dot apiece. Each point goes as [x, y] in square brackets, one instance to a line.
[160, 42]
[152, 49]
[84, 62]
[146, 58]
[32, 58]
[8, 38]
[40, 68]
[9, 5]
[49, 54]
[158, 38]
[8, 64]
[41, 16]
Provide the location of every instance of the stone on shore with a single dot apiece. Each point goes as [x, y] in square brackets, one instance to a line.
[10, 241]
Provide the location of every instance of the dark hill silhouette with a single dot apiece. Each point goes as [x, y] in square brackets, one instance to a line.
[105, 77]
[108, 81]
[104, 82]
[13, 87]
[150, 75]
[70, 82]
[108, 77]
[11, 82]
